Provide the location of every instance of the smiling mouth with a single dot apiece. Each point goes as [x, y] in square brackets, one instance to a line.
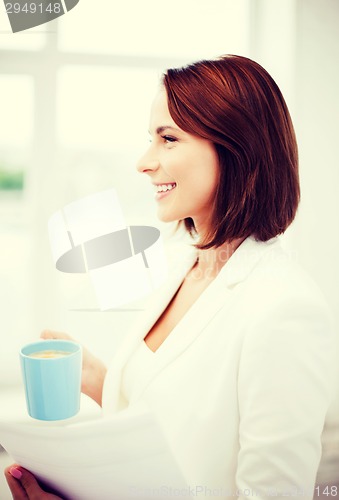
[162, 188]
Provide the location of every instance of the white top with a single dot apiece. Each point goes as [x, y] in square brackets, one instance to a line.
[136, 368]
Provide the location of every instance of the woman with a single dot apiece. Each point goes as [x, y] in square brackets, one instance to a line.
[234, 355]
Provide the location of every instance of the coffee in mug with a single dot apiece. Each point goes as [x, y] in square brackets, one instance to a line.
[51, 371]
[49, 354]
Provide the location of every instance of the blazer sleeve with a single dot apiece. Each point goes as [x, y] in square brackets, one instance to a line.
[285, 385]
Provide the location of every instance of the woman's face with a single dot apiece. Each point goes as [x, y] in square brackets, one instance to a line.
[183, 168]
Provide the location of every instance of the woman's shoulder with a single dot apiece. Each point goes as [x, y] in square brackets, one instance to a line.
[282, 264]
[278, 278]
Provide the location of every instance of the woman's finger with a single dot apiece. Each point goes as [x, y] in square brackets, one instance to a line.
[24, 485]
[29, 483]
[51, 334]
[17, 490]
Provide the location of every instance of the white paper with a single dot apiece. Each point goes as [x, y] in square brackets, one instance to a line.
[122, 457]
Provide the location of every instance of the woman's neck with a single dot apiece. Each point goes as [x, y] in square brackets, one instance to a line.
[210, 261]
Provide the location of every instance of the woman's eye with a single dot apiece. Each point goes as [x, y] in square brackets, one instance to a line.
[169, 138]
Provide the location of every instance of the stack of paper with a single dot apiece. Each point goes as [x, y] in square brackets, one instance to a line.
[122, 457]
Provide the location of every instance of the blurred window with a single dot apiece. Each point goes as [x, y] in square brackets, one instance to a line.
[157, 29]
[104, 107]
[16, 104]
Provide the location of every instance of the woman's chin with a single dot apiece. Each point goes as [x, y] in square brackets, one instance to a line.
[163, 216]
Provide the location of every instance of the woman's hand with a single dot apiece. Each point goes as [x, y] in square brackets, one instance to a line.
[93, 369]
[24, 486]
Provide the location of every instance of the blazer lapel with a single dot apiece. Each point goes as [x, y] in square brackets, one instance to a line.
[139, 329]
[186, 331]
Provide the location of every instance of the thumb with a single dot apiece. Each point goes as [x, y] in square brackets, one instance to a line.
[28, 482]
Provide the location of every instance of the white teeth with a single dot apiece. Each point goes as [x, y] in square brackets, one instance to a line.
[165, 187]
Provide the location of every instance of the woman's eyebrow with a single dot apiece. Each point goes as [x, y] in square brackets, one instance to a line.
[161, 129]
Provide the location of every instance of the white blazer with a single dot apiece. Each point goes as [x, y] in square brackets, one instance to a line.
[242, 384]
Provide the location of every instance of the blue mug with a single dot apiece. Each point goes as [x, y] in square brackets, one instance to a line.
[51, 371]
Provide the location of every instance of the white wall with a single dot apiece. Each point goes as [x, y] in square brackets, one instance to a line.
[317, 111]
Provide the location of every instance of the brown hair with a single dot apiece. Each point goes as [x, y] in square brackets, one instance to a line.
[233, 102]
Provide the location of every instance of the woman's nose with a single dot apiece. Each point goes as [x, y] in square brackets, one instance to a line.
[147, 164]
